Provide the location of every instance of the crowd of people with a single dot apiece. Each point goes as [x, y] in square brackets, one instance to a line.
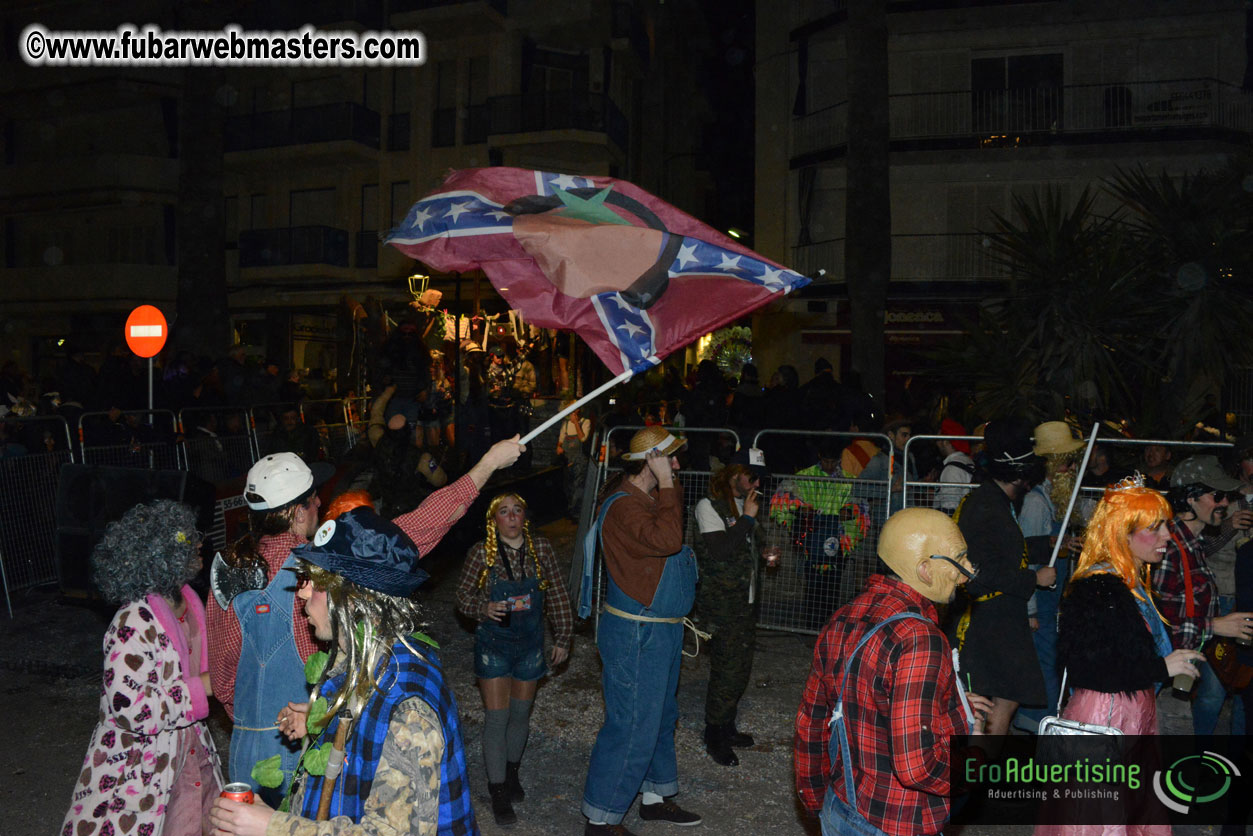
[341, 709]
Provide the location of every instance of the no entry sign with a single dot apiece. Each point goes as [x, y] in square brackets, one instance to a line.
[146, 331]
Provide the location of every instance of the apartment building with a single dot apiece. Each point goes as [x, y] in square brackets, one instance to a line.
[318, 162]
[987, 100]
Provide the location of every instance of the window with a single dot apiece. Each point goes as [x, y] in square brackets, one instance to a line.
[312, 207]
[400, 202]
[230, 220]
[475, 127]
[444, 117]
[1016, 94]
[257, 218]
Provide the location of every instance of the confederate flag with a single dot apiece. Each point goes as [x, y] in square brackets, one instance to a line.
[632, 275]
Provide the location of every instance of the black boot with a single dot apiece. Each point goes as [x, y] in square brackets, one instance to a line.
[737, 738]
[718, 747]
[511, 781]
[502, 810]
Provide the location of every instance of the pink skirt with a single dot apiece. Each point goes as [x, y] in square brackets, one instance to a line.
[1133, 714]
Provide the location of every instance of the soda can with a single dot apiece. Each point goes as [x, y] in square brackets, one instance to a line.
[238, 791]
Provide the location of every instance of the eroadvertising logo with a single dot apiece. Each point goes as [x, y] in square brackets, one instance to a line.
[1096, 780]
[1193, 780]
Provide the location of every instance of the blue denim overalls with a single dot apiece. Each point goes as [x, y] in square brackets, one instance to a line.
[634, 750]
[270, 675]
[526, 626]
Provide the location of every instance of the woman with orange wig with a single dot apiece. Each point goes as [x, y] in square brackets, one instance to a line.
[1111, 638]
[509, 583]
[1108, 597]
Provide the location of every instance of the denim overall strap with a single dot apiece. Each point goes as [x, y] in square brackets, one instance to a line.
[590, 541]
[840, 733]
[523, 624]
[269, 675]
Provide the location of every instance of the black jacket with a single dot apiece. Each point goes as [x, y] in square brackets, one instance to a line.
[1102, 639]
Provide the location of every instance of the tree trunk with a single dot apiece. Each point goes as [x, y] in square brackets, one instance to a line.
[202, 324]
[868, 210]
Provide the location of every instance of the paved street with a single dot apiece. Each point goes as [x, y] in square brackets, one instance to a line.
[50, 663]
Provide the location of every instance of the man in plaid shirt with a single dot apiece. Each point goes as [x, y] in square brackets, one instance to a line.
[901, 701]
[1185, 586]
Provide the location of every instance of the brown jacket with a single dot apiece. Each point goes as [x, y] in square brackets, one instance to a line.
[639, 529]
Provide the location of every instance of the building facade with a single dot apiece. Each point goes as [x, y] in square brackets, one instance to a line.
[987, 101]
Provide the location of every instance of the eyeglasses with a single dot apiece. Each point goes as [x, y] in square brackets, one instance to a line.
[969, 573]
[1222, 496]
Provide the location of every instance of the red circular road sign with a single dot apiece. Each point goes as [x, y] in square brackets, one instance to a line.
[146, 331]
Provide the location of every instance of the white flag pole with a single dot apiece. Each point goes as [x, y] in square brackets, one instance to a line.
[1074, 494]
[626, 375]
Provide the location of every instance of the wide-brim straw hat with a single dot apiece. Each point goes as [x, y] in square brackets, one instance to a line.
[653, 438]
[1054, 438]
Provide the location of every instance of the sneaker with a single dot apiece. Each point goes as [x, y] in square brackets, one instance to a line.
[606, 830]
[668, 811]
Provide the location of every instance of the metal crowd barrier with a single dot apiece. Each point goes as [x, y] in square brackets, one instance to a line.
[216, 443]
[800, 593]
[329, 418]
[919, 493]
[28, 490]
[131, 443]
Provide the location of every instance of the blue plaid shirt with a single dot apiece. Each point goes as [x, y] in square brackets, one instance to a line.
[408, 675]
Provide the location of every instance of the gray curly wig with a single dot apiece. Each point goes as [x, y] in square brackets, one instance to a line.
[152, 548]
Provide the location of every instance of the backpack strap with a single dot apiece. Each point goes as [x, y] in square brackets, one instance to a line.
[590, 541]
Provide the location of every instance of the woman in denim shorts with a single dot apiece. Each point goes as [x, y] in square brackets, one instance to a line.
[510, 583]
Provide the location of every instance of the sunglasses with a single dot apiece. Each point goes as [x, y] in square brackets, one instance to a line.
[1219, 496]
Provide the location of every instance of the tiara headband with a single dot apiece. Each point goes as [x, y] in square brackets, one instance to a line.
[1136, 480]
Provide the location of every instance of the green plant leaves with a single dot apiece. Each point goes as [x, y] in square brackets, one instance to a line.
[317, 719]
[314, 667]
[268, 773]
[314, 761]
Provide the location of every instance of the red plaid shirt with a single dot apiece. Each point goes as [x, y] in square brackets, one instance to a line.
[426, 525]
[901, 708]
[1171, 588]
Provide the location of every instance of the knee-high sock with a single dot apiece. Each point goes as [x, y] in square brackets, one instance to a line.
[495, 724]
[519, 728]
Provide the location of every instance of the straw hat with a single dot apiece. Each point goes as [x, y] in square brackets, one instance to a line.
[653, 438]
[1054, 437]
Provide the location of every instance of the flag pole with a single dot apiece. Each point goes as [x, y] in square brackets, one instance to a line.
[1083, 468]
[595, 393]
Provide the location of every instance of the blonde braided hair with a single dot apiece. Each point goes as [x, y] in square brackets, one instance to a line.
[491, 547]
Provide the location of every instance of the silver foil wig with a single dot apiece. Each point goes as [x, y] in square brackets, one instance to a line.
[153, 548]
[364, 626]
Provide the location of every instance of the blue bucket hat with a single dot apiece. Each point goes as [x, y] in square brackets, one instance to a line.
[368, 550]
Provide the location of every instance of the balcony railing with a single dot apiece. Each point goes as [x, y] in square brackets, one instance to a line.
[293, 245]
[938, 257]
[302, 126]
[555, 111]
[1032, 115]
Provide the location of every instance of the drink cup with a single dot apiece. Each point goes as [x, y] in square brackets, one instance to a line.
[1182, 685]
[1243, 642]
[237, 792]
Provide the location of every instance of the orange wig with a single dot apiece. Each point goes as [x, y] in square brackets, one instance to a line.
[1124, 509]
[345, 502]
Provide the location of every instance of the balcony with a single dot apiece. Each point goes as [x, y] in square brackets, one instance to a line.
[1173, 109]
[941, 257]
[293, 245]
[338, 122]
[557, 111]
